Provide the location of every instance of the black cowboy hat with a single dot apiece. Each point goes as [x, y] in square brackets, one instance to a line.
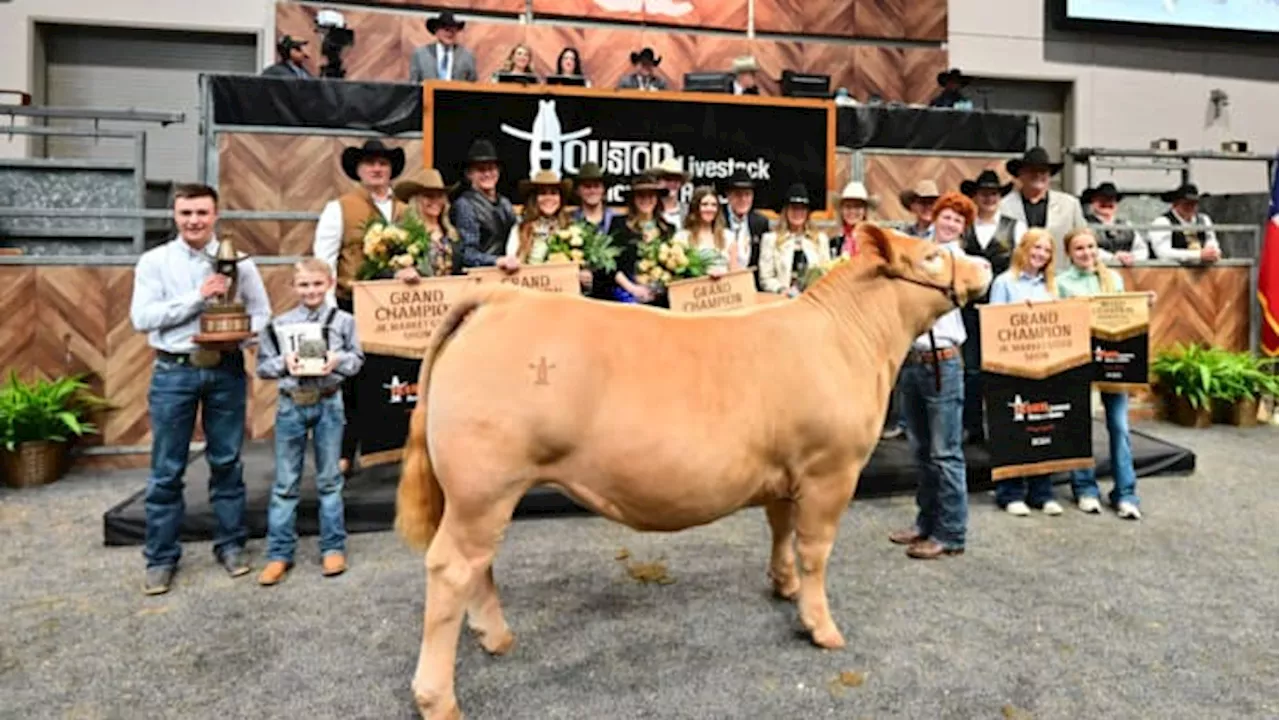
[987, 180]
[289, 42]
[797, 194]
[1035, 157]
[482, 150]
[352, 156]
[1106, 189]
[1185, 191]
[739, 180]
[589, 171]
[646, 54]
[953, 74]
[444, 19]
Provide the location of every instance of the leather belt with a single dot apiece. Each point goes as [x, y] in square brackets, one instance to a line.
[304, 396]
[199, 358]
[930, 357]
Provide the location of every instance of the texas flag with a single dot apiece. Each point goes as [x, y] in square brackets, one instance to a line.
[1269, 276]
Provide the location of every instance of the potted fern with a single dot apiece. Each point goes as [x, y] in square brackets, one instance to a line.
[1185, 378]
[38, 420]
[1240, 380]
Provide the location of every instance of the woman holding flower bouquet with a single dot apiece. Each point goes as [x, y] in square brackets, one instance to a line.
[641, 225]
[544, 217]
[787, 256]
[428, 200]
[705, 228]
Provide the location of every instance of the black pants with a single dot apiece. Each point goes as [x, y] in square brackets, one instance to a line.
[350, 437]
[971, 351]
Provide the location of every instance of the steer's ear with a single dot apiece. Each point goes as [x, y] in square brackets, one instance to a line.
[879, 241]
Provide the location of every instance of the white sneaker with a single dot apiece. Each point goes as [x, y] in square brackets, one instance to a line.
[1051, 507]
[1017, 507]
[1129, 511]
[1089, 505]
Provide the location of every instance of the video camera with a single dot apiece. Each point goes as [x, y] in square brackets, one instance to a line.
[335, 37]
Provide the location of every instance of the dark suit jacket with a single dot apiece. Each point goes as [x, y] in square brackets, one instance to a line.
[285, 70]
[757, 225]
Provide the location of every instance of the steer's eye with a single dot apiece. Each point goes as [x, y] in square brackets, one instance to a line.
[933, 262]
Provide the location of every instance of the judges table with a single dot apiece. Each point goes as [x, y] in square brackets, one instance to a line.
[71, 315]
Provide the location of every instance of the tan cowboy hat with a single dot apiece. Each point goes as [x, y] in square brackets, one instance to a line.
[671, 167]
[745, 63]
[924, 189]
[857, 191]
[425, 180]
[544, 178]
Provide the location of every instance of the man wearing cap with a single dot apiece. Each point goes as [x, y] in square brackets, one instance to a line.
[745, 224]
[293, 56]
[443, 59]
[644, 75]
[744, 75]
[670, 206]
[589, 185]
[952, 81]
[1035, 204]
[339, 241]
[1184, 245]
[1118, 243]
[483, 217]
[919, 200]
[855, 207]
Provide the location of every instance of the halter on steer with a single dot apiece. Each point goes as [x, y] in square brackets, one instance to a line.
[950, 291]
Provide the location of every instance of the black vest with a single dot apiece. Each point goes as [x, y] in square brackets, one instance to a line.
[1181, 240]
[494, 218]
[1116, 240]
[999, 251]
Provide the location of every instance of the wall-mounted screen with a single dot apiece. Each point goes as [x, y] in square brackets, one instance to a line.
[1252, 16]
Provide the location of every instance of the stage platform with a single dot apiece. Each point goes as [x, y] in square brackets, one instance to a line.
[370, 495]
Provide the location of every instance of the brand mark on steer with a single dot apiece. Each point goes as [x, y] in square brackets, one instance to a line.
[542, 367]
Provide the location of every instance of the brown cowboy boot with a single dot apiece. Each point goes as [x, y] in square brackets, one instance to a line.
[931, 549]
[274, 572]
[333, 564]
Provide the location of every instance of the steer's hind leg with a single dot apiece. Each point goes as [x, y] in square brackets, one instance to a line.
[782, 560]
[484, 616]
[818, 509]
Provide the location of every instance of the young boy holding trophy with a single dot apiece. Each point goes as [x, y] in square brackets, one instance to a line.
[311, 349]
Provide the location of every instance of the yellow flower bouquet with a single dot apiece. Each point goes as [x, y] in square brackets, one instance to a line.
[662, 258]
[389, 247]
[584, 244]
[816, 273]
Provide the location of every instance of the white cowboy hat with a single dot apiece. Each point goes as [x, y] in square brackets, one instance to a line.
[746, 63]
[857, 191]
[671, 167]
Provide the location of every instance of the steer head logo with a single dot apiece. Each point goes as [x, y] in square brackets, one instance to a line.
[546, 139]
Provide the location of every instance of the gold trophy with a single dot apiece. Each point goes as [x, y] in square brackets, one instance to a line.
[224, 323]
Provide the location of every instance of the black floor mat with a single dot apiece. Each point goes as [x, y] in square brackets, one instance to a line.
[370, 495]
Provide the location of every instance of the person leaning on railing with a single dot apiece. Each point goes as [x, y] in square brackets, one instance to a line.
[1118, 241]
[1180, 244]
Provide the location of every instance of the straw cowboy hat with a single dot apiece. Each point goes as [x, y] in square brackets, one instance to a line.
[745, 63]
[671, 167]
[1104, 190]
[1186, 191]
[923, 190]
[1033, 158]
[647, 180]
[857, 191]
[544, 178]
[426, 180]
[353, 156]
[987, 180]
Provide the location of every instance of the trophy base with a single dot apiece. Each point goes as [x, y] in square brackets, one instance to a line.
[224, 324]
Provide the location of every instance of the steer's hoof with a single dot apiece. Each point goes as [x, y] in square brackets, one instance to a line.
[433, 707]
[828, 637]
[786, 589]
[498, 643]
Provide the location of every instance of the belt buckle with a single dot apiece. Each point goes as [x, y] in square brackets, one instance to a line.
[305, 396]
[204, 358]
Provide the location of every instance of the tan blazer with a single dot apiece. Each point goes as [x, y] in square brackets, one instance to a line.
[1064, 215]
[776, 258]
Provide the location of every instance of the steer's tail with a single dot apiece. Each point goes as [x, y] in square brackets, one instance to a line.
[419, 498]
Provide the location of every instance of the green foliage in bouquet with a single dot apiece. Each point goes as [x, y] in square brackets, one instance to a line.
[663, 259]
[583, 243]
[819, 271]
[390, 247]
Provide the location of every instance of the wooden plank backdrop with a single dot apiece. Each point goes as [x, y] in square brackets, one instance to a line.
[887, 175]
[384, 42]
[891, 19]
[716, 14]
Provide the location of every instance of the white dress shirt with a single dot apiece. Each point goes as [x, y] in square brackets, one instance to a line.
[948, 330]
[740, 232]
[1162, 240]
[167, 302]
[984, 231]
[328, 241]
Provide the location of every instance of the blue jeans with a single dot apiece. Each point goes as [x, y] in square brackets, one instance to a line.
[933, 421]
[1084, 483]
[177, 390]
[324, 421]
[1035, 490]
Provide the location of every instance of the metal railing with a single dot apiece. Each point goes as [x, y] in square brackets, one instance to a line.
[1179, 161]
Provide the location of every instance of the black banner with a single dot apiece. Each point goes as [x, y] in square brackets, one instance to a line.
[887, 126]
[1121, 362]
[386, 392]
[1038, 426]
[285, 102]
[561, 129]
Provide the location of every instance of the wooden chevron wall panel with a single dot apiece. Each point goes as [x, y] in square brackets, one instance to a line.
[484, 6]
[906, 74]
[774, 57]
[278, 280]
[900, 19]
[18, 308]
[603, 51]
[719, 14]
[888, 175]
[806, 17]
[1196, 305]
[129, 361]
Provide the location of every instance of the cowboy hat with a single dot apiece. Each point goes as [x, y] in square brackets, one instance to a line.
[543, 178]
[953, 74]
[645, 55]
[353, 156]
[446, 20]
[923, 190]
[746, 63]
[289, 42]
[481, 151]
[646, 180]
[857, 191]
[426, 180]
[589, 171]
[739, 180]
[797, 194]
[671, 167]
[987, 180]
[1106, 190]
[1035, 157]
[1185, 191]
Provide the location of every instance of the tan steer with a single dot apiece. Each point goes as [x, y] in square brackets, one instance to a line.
[657, 420]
